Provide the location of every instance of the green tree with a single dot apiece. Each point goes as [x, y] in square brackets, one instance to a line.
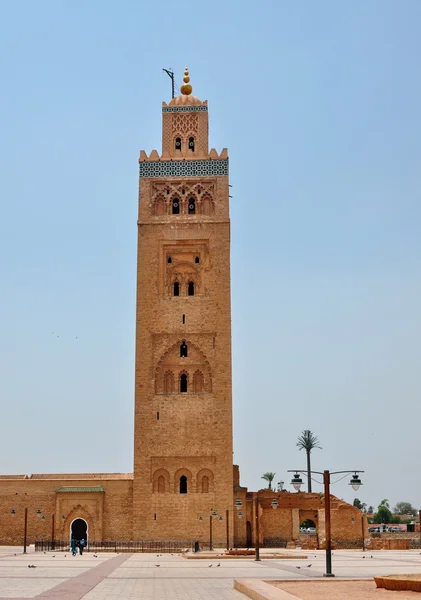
[404, 508]
[359, 504]
[308, 441]
[383, 514]
[269, 476]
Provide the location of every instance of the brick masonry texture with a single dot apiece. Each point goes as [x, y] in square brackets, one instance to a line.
[183, 406]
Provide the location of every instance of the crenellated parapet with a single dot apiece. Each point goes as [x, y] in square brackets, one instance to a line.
[154, 156]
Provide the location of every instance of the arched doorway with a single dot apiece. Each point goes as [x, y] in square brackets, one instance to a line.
[79, 530]
[249, 540]
[308, 526]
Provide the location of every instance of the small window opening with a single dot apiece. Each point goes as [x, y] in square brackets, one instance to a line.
[184, 319]
[157, 416]
[197, 260]
[183, 350]
[192, 206]
[191, 288]
[183, 484]
[175, 207]
[198, 191]
[183, 191]
[191, 144]
[168, 190]
[169, 260]
[183, 383]
[176, 288]
[178, 143]
[154, 516]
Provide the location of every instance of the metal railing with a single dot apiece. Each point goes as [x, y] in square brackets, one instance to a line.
[161, 547]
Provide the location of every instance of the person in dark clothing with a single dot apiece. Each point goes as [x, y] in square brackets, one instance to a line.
[81, 546]
[73, 546]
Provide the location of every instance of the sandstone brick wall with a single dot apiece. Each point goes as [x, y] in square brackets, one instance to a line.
[108, 514]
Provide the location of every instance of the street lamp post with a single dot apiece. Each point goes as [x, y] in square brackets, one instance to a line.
[25, 525]
[355, 483]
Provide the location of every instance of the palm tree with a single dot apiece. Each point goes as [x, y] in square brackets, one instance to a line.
[269, 476]
[307, 441]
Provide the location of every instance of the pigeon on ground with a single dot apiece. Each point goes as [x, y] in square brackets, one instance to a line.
[157, 565]
[209, 565]
[310, 565]
[298, 567]
[218, 565]
[363, 556]
[371, 556]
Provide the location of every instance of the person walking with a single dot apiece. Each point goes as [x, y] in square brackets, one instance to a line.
[81, 546]
[73, 546]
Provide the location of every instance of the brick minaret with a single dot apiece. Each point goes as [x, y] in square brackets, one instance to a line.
[183, 408]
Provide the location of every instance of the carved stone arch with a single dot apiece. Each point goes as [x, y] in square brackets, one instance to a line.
[183, 382]
[169, 381]
[192, 196]
[198, 382]
[161, 481]
[183, 472]
[160, 205]
[175, 197]
[196, 361]
[207, 205]
[175, 137]
[204, 481]
[80, 511]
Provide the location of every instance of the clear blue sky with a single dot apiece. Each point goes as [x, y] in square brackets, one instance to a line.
[319, 106]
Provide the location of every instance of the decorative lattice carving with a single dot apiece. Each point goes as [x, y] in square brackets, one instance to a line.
[184, 124]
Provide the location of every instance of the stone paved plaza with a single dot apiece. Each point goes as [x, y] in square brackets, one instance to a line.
[108, 576]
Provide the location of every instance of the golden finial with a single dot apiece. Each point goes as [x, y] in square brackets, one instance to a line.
[186, 89]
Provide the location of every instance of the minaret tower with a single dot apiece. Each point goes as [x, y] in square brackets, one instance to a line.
[183, 407]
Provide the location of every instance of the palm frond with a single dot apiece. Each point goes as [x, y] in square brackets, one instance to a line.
[307, 441]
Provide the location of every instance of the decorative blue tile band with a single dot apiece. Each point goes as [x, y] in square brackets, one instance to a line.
[183, 168]
[184, 109]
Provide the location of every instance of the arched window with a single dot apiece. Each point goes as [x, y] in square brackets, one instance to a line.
[175, 206]
[176, 288]
[168, 383]
[183, 383]
[169, 260]
[183, 350]
[161, 484]
[191, 288]
[191, 144]
[192, 206]
[198, 382]
[197, 260]
[178, 143]
[205, 484]
[183, 484]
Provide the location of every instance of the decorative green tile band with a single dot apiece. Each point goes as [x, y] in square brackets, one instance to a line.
[183, 168]
[174, 109]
